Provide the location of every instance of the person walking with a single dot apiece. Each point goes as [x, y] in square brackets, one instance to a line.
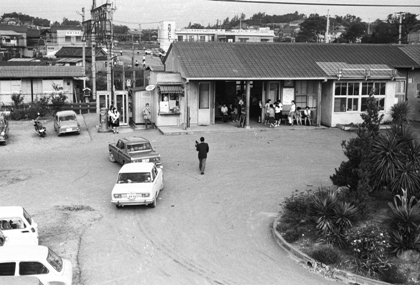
[292, 113]
[203, 149]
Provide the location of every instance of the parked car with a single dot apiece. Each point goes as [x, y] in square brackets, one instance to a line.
[137, 184]
[148, 51]
[37, 261]
[18, 226]
[4, 129]
[66, 122]
[2, 238]
[133, 149]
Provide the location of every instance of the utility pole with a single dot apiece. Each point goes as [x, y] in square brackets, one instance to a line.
[400, 28]
[328, 26]
[133, 77]
[93, 55]
[83, 48]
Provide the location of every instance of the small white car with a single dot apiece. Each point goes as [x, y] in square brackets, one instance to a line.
[137, 184]
[18, 226]
[66, 122]
[36, 261]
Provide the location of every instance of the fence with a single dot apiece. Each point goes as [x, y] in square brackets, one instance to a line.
[81, 108]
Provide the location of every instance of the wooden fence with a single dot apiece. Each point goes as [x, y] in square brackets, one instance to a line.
[82, 108]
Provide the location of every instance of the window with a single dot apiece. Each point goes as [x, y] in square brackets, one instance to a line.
[67, 39]
[8, 87]
[202, 38]
[400, 91]
[7, 269]
[301, 101]
[54, 260]
[78, 38]
[190, 38]
[204, 96]
[32, 268]
[180, 38]
[243, 40]
[264, 40]
[352, 96]
[11, 224]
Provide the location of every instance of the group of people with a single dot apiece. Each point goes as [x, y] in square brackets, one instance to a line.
[273, 114]
[114, 119]
[235, 112]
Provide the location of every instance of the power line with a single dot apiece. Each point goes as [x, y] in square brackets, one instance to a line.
[317, 4]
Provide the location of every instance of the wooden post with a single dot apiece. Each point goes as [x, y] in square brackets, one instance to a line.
[318, 104]
[248, 103]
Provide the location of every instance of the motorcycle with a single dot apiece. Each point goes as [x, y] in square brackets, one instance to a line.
[39, 128]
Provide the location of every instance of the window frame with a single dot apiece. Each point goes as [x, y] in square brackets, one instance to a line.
[350, 95]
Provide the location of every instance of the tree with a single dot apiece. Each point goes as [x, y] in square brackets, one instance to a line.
[355, 31]
[311, 28]
[67, 22]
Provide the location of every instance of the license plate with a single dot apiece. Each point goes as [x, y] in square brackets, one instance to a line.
[145, 160]
[68, 130]
[131, 196]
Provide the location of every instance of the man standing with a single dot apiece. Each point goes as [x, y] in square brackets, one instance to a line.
[203, 149]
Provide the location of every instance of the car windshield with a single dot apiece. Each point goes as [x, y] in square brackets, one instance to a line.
[27, 217]
[139, 147]
[137, 177]
[55, 261]
[67, 118]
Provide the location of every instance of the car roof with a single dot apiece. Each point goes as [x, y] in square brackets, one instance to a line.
[9, 211]
[137, 167]
[135, 140]
[66, 113]
[23, 252]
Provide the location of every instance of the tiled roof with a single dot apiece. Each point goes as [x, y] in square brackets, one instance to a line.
[37, 71]
[278, 60]
[78, 52]
[413, 51]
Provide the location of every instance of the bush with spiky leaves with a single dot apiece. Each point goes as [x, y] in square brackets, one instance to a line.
[405, 222]
[332, 216]
[400, 113]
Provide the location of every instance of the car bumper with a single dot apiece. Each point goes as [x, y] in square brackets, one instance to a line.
[69, 130]
[127, 202]
[2, 139]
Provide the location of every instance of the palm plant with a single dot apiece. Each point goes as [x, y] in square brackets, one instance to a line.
[400, 113]
[405, 221]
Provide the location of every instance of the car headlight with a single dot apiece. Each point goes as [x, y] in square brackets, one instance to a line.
[116, 196]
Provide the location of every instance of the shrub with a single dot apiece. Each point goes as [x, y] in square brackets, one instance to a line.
[332, 217]
[400, 113]
[370, 247]
[392, 275]
[18, 114]
[291, 235]
[17, 99]
[58, 101]
[326, 254]
[296, 206]
[405, 221]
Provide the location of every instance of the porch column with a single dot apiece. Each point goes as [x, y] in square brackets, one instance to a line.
[318, 104]
[248, 102]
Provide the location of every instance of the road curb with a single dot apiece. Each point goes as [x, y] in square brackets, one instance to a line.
[319, 267]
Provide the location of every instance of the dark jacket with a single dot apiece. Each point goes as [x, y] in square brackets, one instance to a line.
[203, 149]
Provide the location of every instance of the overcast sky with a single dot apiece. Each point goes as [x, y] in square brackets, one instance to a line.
[150, 12]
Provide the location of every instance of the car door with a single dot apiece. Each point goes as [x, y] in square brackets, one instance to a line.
[118, 151]
[18, 232]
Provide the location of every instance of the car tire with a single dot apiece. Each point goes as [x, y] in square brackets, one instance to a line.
[111, 157]
[118, 206]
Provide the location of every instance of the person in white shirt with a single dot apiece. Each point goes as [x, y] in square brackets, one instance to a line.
[292, 113]
[307, 115]
[278, 108]
[224, 111]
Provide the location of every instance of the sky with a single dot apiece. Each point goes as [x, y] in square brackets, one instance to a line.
[149, 13]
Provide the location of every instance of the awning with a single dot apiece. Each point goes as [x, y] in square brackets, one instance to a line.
[172, 89]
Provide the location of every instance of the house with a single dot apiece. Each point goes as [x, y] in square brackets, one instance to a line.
[334, 80]
[77, 53]
[34, 81]
[63, 36]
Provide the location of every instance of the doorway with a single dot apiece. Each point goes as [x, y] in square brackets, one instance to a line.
[121, 99]
[204, 103]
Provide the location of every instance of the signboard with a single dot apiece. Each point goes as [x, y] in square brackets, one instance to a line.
[288, 96]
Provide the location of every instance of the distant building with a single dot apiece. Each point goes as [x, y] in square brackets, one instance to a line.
[414, 38]
[63, 36]
[168, 34]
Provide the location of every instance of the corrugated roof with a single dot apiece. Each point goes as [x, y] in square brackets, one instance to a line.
[413, 51]
[356, 71]
[37, 71]
[279, 60]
